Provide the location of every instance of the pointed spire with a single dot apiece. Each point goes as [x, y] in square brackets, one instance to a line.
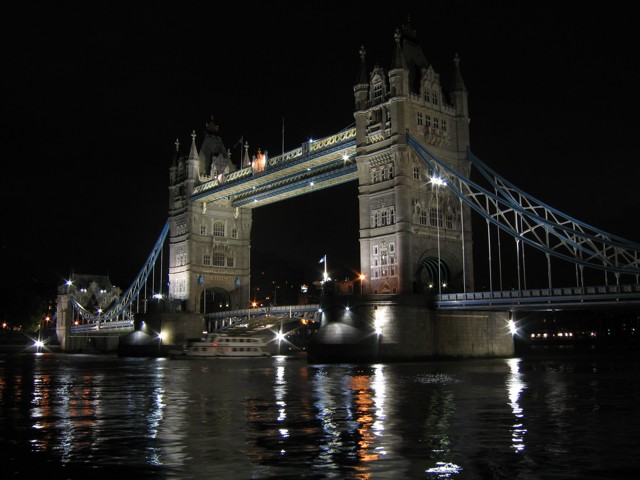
[193, 153]
[458, 83]
[246, 161]
[362, 76]
[398, 59]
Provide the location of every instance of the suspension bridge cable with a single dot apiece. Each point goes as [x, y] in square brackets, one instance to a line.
[120, 308]
[600, 252]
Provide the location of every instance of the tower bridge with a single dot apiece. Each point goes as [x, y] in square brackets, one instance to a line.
[409, 150]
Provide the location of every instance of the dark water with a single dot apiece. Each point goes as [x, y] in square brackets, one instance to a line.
[546, 417]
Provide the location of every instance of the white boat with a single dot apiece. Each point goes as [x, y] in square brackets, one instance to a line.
[221, 345]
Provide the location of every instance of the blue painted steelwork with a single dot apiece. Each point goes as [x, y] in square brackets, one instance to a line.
[534, 223]
[318, 179]
[280, 314]
[122, 308]
[205, 191]
[542, 299]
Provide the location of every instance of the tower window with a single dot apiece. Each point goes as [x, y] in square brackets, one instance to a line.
[423, 218]
[377, 90]
[219, 259]
[218, 229]
[449, 222]
[435, 218]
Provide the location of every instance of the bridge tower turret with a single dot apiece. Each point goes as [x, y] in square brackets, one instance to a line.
[209, 242]
[415, 236]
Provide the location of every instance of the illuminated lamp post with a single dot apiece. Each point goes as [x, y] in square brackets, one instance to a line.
[361, 278]
[437, 181]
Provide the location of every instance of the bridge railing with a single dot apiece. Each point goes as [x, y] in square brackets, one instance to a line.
[569, 297]
[280, 161]
[271, 310]
[110, 325]
[541, 292]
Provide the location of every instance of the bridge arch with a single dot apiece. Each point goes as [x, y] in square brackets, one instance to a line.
[214, 299]
[427, 275]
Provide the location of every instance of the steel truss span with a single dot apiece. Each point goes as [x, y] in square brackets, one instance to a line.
[121, 311]
[534, 223]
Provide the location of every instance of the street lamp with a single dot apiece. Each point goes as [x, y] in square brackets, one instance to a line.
[437, 181]
[361, 280]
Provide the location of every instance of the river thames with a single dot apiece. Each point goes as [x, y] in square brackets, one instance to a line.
[543, 416]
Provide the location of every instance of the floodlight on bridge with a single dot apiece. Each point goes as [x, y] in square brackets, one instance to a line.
[438, 181]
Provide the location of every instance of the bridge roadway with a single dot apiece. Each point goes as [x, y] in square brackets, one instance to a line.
[569, 298]
[316, 165]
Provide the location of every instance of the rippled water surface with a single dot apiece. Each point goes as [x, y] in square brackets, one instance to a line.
[91, 416]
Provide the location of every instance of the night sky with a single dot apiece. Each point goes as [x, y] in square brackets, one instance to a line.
[96, 96]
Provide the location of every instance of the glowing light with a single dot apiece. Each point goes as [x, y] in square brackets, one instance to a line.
[438, 181]
[280, 336]
[377, 322]
[512, 327]
[162, 335]
[38, 344]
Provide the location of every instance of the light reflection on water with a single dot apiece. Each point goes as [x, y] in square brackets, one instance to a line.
[515, 386]
[283, 418]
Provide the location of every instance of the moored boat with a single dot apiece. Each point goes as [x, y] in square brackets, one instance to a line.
[221, 345]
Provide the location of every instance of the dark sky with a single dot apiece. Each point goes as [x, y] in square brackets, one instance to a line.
[96, 96]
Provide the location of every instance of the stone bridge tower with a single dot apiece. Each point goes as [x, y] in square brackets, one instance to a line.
[415, 236]
[209, 246]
